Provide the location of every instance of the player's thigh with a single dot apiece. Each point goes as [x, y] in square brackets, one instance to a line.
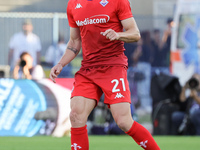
[121, 113]
[82, 106]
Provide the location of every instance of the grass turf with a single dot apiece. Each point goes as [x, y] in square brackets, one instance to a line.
[97, 143]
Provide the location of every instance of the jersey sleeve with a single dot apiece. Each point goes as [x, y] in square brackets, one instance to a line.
[71, 21]
[124, 9]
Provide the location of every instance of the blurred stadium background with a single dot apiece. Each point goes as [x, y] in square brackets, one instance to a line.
[47, 112]
[49, 18]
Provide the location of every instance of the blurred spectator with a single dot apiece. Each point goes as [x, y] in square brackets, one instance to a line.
[159, 54]
[132, 71]
[156, 44]
[190, 95]
[25, 69]
[24, 41]
[130, 47]
[142, 57]
[54, 53]
[166, 42]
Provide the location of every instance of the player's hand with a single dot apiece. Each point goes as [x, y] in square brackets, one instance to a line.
[55, 71]
[110, 34]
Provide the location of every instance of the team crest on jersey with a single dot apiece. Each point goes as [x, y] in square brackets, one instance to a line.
[104, 3]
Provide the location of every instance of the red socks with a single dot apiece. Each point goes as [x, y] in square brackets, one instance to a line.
[79, 138]
[142, 137]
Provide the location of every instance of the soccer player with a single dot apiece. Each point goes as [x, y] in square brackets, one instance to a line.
[97, 26]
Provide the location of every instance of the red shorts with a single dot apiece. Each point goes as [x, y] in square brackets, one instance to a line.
[94, 81]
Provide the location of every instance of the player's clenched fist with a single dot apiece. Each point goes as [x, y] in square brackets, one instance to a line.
[111, 34]
[55, 71]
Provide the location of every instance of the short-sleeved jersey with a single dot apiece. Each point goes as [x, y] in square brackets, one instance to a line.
[93, 17]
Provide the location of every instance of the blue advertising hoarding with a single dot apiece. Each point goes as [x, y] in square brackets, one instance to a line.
[21, 100]
[18, 105]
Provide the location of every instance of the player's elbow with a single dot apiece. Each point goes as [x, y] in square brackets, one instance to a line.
[137, 37]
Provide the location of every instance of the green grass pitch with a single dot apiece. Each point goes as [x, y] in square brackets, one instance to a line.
[97, 143]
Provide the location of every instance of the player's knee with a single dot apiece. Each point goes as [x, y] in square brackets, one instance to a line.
[122, 124]
[77, 119]
[74, 117]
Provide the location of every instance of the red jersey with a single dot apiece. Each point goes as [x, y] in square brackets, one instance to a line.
[93, 17]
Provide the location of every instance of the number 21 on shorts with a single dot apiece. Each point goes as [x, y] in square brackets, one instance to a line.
[116, 84]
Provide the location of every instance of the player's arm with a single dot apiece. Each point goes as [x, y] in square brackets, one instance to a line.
[73, 47]
[131, 33]
[72, 50]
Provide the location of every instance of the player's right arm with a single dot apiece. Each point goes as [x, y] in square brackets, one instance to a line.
[72, 50]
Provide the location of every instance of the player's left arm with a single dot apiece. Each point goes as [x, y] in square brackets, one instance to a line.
[131, 33]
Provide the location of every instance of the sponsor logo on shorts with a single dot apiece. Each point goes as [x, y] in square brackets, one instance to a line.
[97, 19]
[119, 95]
